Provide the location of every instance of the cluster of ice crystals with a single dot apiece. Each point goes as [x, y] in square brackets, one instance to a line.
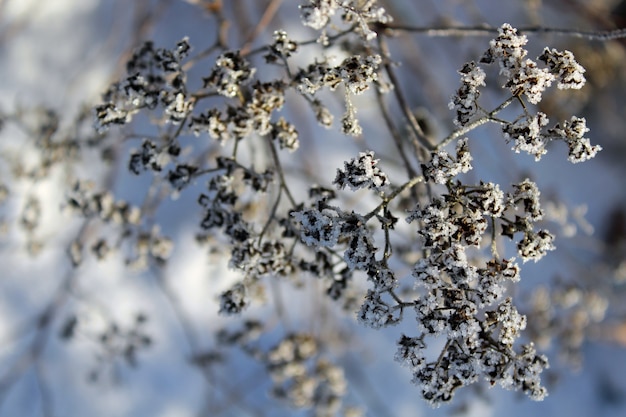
[525, 373]
[535, 245]
[573, 132]
[530, 80]
[318, 228]
[490, 199]
[507, 48]
[231, 71]
[527, 193]
[360, 251]
[360, 13]
[349, 123]
[564, 66]
[317, 13]
[510, 322]
[438, 228]
[361, 172]
[527, 135]
[358, 72]
[376, 313]
[283, 46]
[464, 102]
[442, 167]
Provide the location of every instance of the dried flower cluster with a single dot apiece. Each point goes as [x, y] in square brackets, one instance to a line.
[459, 296]
[448, 266]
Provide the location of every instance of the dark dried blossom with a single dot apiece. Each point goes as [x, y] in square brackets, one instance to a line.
[234, 300]
[523, 75]
[244, 121]
[82, 199]
[318, 228]
[177, 108]
[101, 249]
[438, 381]
[361, 250]
[382, 276]
[321, 194]
[150, 245]
[437, 228]
[431, 318]
[231, 71]
[211, 122]
[564, 66]
[108, 114]
[573, 132]
[149, 157]
[442, 167]
[528, 194]
[491, 280]
[410, 352]
[303, 378]
[323, 116]
[257, 260]
[282, 47]
[464, 102]
[181, 176]
[427, 272]
[339, 284]
[356, 72]
[317, 13]
[268, 96]
[506, 321]
[530, 80]
[507, 49]
[359, 72]
[456, 264]
[535, 245]
[527, 135]
[376, 313]
[364, 14]
[361, 172]
[155, 76]
[471, 224]
[525, 373]
[489, 199]
[286, 134]
[316, 76]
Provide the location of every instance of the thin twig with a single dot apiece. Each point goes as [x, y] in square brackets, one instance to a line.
[417, 133]
[471, 126]
[603, 35]
[268, 15]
